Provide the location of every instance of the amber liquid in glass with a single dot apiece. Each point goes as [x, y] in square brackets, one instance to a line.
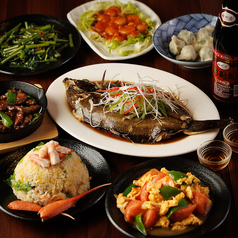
[234, 138]
[214, 156]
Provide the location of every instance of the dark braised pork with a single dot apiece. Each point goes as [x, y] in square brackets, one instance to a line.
[22, 111]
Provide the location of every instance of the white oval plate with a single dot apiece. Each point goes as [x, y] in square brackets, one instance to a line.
[199, 104]
[74, 17]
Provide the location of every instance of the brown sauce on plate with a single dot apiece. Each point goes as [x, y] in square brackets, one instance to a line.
[174, 138]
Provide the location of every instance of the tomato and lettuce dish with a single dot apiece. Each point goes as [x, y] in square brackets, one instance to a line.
[122, 28]
[168, 199]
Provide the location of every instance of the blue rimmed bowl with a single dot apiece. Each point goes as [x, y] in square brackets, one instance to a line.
[191, 22]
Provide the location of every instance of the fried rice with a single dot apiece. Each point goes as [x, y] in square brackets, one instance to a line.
[42, 185]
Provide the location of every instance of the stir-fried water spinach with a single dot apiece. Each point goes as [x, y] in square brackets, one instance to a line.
[28, 45]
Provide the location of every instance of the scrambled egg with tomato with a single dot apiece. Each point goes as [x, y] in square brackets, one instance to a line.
[169, 199]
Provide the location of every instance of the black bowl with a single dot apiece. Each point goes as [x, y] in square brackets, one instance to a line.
[62, 26]
[97, 166]
[35, 92]
[219, 194]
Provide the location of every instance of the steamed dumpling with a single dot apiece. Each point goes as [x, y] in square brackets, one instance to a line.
[205, 54]
[176, 45]
[187, 36]
[187, 45]
[204, 38]
[206, 41]
[187, 53]
[204, 32]
[210, 28]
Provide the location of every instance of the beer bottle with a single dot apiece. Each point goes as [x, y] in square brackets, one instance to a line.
[225, 54]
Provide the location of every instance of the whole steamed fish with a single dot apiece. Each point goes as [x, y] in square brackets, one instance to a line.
[139, 112]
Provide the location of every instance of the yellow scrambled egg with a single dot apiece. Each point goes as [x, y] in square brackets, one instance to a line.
[156, 199]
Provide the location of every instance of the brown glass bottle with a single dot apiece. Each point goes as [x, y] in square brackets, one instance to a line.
[225, 54]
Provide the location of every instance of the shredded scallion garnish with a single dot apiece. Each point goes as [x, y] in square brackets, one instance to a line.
[138, 99]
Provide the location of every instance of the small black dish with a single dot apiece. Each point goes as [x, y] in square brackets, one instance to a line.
[35, 92]
[97, 166]
[218, 189]
[62, 26]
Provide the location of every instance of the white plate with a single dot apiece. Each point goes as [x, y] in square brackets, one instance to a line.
[199, 104]
[74, 17]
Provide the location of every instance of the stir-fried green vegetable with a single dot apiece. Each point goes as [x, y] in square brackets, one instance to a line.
[176, 175]
[31, 45]
[139, 224]
[35, 117]
[21, 185]
[6, 120]
[181, 204]
[167, 192]
[18, 185]
[128, 189]
[11, 97]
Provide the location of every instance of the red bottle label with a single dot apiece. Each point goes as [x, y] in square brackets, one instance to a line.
[225, 76]
[228, 17]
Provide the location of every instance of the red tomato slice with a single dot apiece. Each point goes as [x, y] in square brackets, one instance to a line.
[132, 209]
[168, 182]
[152, 172]
[150, 217]
[158, 177]
[182, 213]
[143, 192]
[204, 204]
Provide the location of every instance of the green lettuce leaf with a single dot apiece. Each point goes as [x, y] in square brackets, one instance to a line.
[129, 46]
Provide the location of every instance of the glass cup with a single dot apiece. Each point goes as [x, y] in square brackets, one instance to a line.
[214, 154]
[230, 135]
